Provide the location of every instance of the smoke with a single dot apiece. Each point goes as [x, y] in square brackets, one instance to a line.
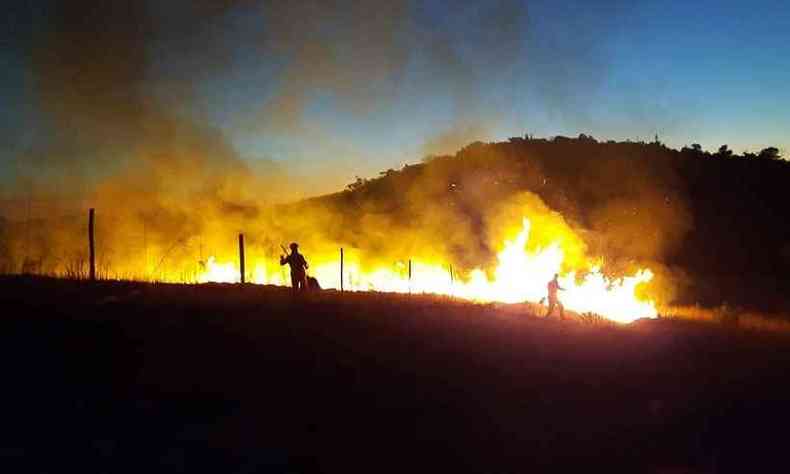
[124, 128]
[120, 120]
[105, 75]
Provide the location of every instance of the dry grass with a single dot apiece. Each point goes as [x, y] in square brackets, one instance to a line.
[348, 379]
[730, 317]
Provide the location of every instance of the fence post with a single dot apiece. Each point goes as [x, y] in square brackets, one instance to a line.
[145, 251]
[241, 257]
[341, 269]
[409, 276]
[92, 244]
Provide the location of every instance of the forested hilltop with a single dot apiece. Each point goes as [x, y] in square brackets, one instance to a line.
[713, 222]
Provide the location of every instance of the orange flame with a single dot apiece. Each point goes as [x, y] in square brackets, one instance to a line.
[521, 275]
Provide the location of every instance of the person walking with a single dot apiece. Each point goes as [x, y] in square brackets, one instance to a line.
[554, 301]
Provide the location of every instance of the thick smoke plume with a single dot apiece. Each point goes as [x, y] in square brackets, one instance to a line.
[112, 81]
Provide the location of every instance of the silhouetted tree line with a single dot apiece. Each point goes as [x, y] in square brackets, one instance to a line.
[714, 222]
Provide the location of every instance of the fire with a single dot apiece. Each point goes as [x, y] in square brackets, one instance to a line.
[219, 272]
[520, 275]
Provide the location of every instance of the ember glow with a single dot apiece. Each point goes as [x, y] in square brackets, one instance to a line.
[520, 275]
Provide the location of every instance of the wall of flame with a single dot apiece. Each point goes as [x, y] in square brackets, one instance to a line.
[520, 275]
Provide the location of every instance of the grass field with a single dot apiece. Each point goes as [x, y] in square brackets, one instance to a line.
[134, 377]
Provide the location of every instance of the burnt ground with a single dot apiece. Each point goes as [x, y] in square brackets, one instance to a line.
[131, 377]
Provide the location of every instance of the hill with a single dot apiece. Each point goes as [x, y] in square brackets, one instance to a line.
[711, 223]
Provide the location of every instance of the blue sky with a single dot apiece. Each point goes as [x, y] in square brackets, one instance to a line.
[709, 72]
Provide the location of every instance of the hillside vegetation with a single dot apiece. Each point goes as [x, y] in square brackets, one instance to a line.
[713, 223]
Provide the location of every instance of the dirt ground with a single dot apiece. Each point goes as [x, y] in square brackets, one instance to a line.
[133, 377]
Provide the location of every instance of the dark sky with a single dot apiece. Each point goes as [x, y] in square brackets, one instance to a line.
[334, 89]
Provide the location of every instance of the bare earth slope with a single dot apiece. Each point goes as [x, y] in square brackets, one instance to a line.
[133, 377]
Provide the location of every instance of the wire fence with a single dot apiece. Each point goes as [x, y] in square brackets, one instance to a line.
[61, 247]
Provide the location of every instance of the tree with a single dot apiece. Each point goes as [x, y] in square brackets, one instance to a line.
[358, 184]
[770, 153]
[694, 150]
[387, 173]
[724, 152]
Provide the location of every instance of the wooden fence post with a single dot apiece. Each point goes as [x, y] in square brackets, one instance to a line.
[92, 244]
[409, 276]
[241, 257]
[145, 251]
[341, 269]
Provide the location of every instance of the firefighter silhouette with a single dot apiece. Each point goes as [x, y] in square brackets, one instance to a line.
[554, 301]
[298, 266]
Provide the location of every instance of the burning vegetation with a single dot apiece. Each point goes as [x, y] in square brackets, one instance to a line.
[429, 228]
[494, 222]
[520, 274]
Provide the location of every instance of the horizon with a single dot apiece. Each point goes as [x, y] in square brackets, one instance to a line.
[78, 203]
[377, 86]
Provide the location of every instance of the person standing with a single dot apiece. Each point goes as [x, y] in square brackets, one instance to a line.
[298, 266]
